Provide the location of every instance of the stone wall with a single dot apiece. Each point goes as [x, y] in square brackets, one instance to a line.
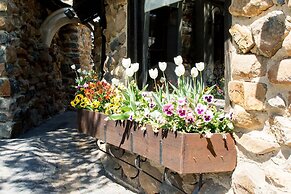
[116, 38]
[34, 83]
[260, 95]
[35, 80]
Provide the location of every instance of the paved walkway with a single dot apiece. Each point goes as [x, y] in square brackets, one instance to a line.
[54, 158]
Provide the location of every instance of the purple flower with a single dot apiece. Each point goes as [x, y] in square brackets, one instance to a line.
[152, 105]
[229, 116]
[182, 101]
[144, 94]
[208, 98]
[182, 112]
[168, 109]
[130, 117]
[208, 116]
[200, 109]
[190, 117]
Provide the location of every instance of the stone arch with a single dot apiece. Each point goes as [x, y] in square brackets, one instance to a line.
[53, 23]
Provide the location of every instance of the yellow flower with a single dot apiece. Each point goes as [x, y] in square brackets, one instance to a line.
[115, 100]
[78, 98]
[115, 109]
[96, 104]
[108, 108]
[84, 103]
[73, 103]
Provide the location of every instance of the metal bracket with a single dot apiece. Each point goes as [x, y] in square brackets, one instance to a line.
[200, 184]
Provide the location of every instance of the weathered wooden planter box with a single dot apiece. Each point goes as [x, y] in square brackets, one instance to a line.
[181, 152]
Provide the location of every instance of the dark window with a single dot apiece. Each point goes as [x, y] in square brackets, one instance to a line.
[193, 29]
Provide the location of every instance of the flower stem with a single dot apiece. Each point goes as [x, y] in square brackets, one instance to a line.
[156, 85]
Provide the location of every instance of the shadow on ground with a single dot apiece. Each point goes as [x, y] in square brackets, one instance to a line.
[54, 158]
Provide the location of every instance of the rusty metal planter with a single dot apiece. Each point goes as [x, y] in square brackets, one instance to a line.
[180, 152]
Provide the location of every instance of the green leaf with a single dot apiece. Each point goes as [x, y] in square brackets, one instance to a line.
[123, 116]
[157, 100]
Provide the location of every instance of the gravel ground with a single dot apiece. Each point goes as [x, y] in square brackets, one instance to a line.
[54, 158]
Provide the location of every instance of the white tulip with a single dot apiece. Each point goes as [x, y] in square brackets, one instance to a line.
[200, 66]
[79, 70]
[126, 62]
[162, 66]
[180, 70]
[73, 67]
[178, 60]
[153, 73]
[194, 72]
[135, 67]
[129, 72]
[115, 82]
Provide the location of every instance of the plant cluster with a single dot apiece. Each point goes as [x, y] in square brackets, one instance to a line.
[186, 107]
[93, 94]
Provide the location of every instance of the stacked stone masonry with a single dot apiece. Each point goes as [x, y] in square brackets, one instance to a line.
[260, 95]
[34, 83]
[35, 80]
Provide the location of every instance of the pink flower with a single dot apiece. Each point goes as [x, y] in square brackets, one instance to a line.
[208, 98]
[182, 101]
[182, 113]
[85, 85]
[168, 109]
[200, 109]
[190, 117]
[208, 116]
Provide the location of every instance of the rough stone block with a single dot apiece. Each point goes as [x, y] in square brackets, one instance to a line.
[165, 188]
[251, 96]
[120, 21]
[2, 54]
[188, 180]
[4, 37]
[236, 92]
[258, 142]
[2, 23]
[128, 170]
[248, 120]
[6, 130]
[279, 2]
[149, 184]
[281, 127]
[242, 36]
[209, 186]
[269, 33]
[5, 88]
[3, 6]
[277, 104]
[11, 55]
[279, 178]
[248, 178]
[5, 103]
[287, 165]
[247, 67]
[249, 8]
[286, 45]
[280, 73]
[2, 69]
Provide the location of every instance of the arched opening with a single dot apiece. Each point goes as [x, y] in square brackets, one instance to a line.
[72, 44]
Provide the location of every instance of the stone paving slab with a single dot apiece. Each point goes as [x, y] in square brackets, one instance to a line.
[54, 158]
